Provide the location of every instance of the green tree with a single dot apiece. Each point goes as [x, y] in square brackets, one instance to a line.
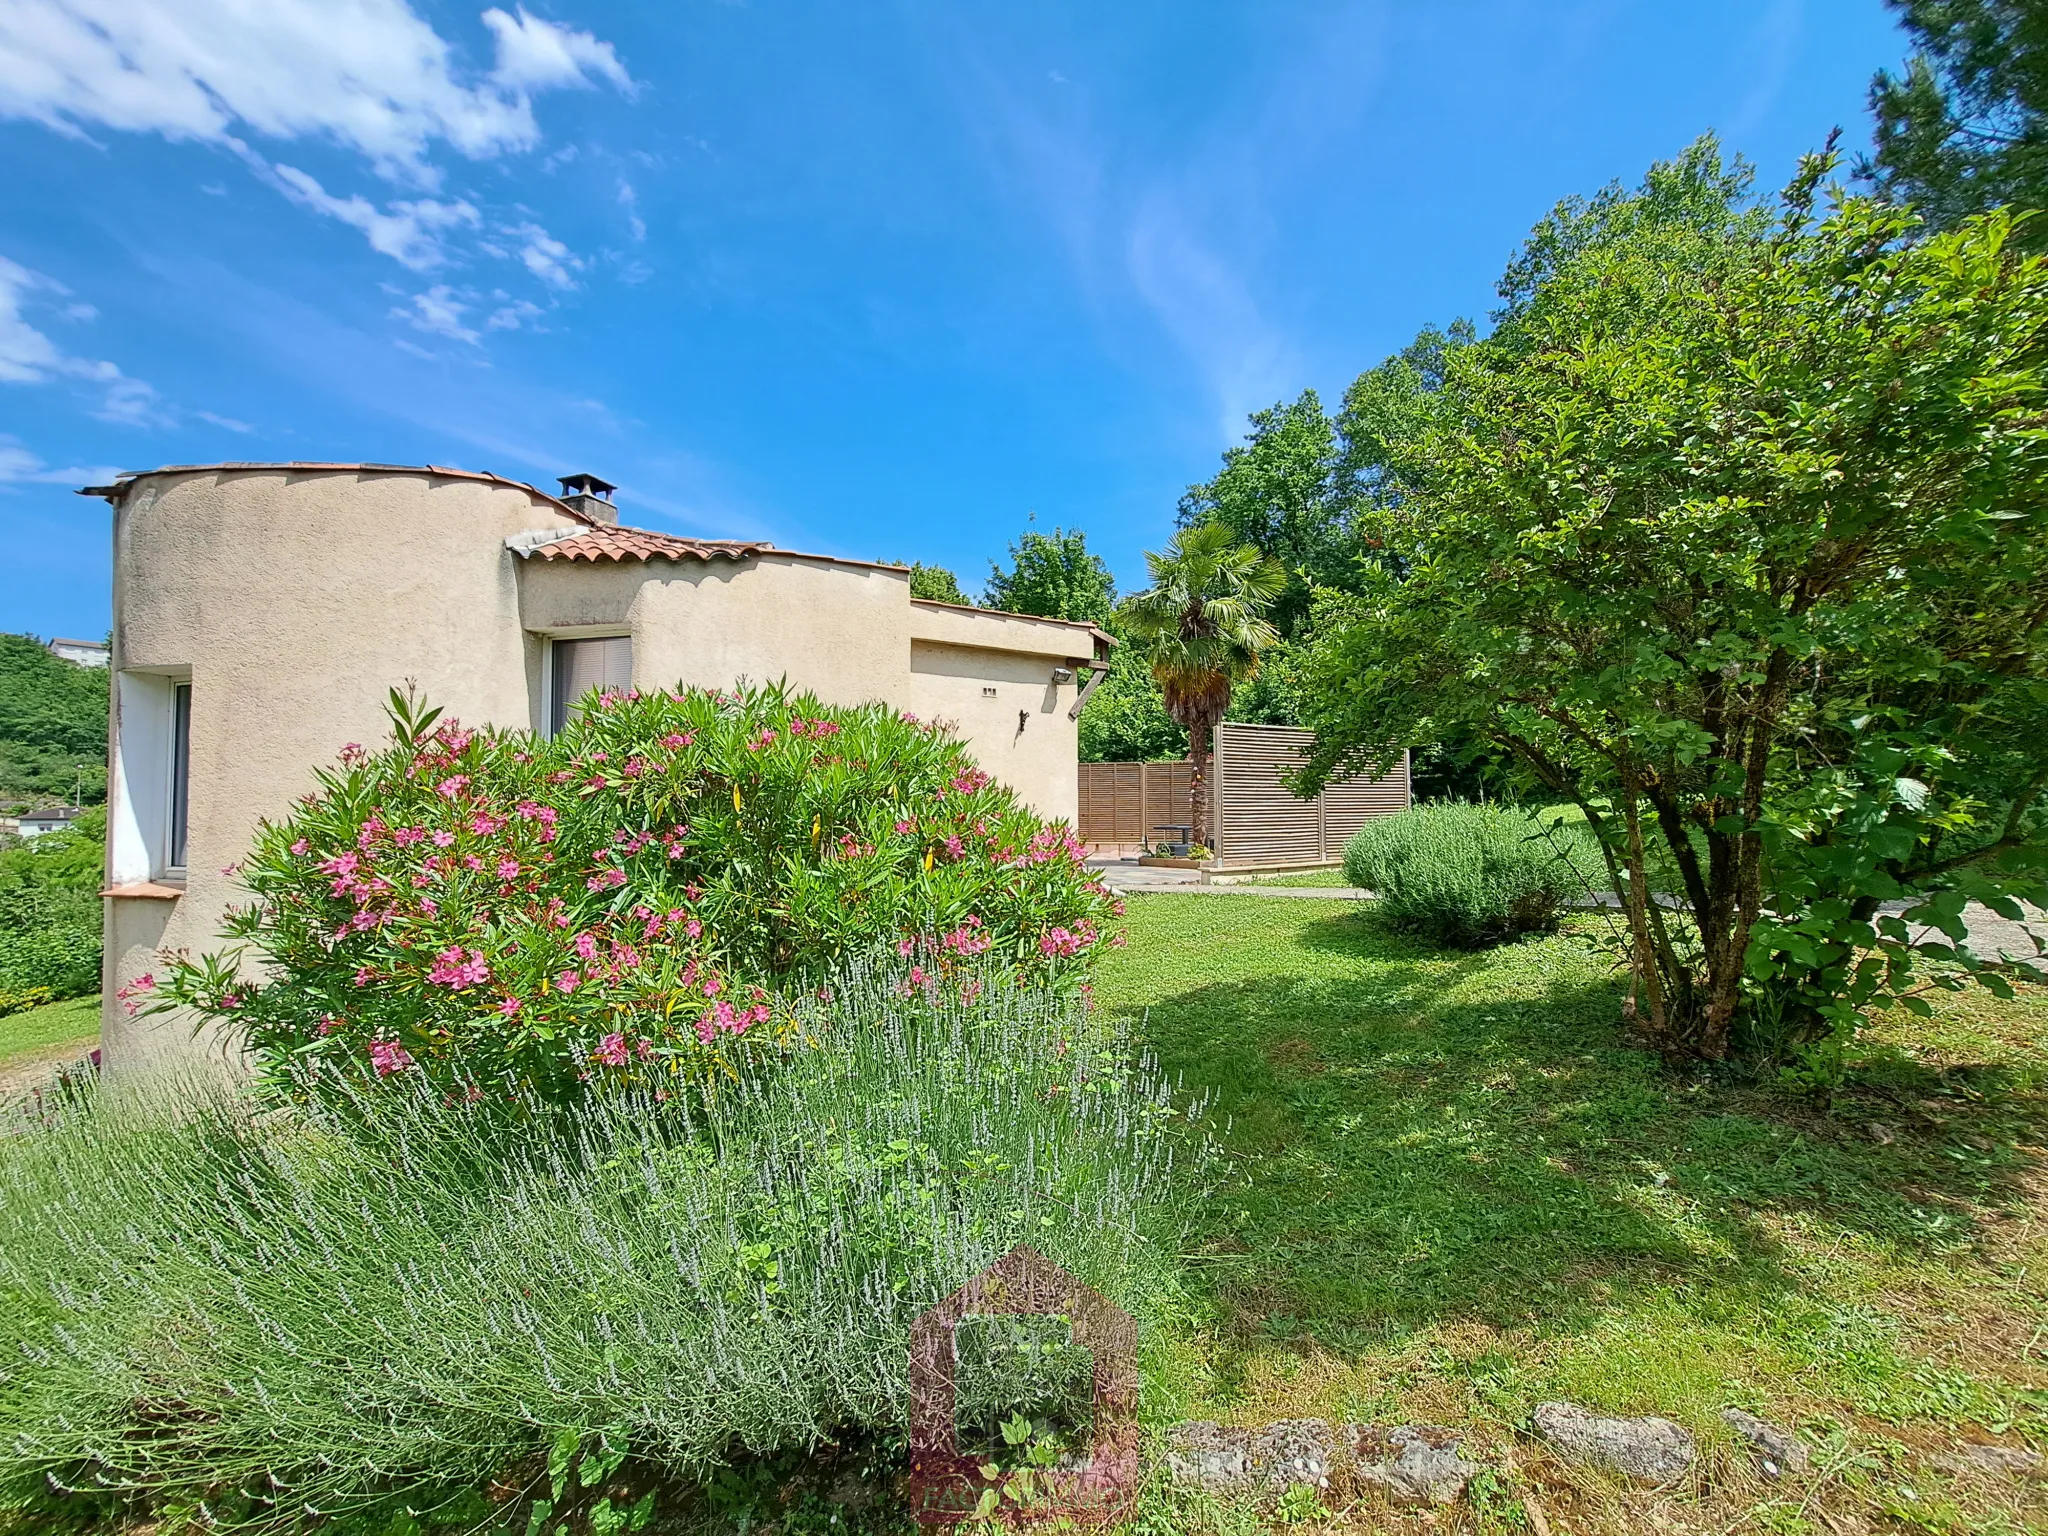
[1053, 576]
[1965, 128]
[1282, 492]
[53, 726]
[1202, 624]
[1125, 718]
[1732, 536]
[936, 584]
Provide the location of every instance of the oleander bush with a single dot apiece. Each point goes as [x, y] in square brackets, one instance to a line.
[290, 1306]
[632, 902]
[1461, 875]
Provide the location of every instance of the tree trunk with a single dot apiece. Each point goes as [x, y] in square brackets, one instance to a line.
[1201, 740]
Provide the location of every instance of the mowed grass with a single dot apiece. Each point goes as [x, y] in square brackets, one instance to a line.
[53, 1024]
[1455, 1189]
[1329, 878]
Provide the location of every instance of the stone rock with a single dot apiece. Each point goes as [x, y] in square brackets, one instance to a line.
[1209, 1456]
[2014, 1460]
[1290, 1453]
[1415, 1463]
[1647, 1449]
[1777, 1450]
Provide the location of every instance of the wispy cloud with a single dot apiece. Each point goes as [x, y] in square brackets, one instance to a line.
[438, 312]
[29, 356]
[413, 233]
[18, 466]
[630, 201]
[544, 256]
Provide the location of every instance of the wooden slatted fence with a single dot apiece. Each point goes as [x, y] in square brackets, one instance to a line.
[1259, 821]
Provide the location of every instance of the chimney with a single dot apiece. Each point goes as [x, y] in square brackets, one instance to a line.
[590, 496]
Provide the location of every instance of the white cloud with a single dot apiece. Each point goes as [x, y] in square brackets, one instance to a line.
[408, 232]
[20, 467]
[368, 74]
[517, 315]
[227, 422]
[545, 256]
[536, 55]
[28, 356]
[630, 201]
[438, 312]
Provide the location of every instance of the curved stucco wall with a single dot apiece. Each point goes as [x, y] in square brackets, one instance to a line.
[291, 601]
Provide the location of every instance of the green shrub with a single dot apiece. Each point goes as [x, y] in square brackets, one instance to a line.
[50, 911]
[1461, 875]
[316, 1308]
[625, 902]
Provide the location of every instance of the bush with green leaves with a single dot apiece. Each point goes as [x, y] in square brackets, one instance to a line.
[631, 902]
[50, 913]
[1462, 875]
[311, 1305]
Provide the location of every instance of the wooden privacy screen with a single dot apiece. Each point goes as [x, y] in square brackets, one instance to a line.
[1122, 803]
[1259, 821]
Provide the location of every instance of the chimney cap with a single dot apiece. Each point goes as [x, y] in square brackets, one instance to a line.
[587, 485]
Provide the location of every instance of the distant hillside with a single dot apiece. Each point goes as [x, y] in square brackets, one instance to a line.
[53, 726]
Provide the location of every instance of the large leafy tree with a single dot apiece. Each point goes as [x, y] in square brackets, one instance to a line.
[1282, 491]
[1203, 627]
[1732, 534]
[1054, 576]
[936, 584]
[1965, 127]
[1125, 718]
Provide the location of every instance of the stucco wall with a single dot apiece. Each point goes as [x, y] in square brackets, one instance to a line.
[841, 631]
[1021, 735]
[292, 601]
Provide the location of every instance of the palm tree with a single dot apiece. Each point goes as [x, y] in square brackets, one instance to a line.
[1203, 625]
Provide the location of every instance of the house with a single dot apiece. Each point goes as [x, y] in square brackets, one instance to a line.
[85, 653]
[29, 824]
[263, 611]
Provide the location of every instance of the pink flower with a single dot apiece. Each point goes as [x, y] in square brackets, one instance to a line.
[509, 1006]
[905, 946]
[363, 975]
[388, 1056]
[328, 1024]
[611, 1050]
[452, 786]
[457, 971]
[300, 847]
[444, 839]
[643, 1050]
[676, 742]
[605, 880]
[508, 869]
[955, 849]
[694, 928]
[566, 982]
[585, 945]
[904, 828]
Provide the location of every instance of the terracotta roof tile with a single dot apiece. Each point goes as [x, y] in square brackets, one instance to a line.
[643, 544]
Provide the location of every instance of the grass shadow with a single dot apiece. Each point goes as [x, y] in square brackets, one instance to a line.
[1417, 1136]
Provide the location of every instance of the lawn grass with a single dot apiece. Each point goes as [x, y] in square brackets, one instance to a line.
[1456, 1190]
[36, 1029]
[1330, 878]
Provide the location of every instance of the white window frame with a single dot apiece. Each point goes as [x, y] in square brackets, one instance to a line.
[140, 799]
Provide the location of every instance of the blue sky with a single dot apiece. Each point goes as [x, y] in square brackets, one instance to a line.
[876, 280]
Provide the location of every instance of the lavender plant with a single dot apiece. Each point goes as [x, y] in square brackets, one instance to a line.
[310, 1305]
